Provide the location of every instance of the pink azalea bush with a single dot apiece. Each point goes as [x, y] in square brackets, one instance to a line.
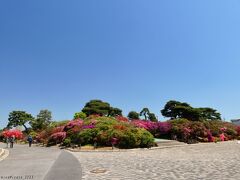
[222, 137]
[210, 137]
[120, 132]
[58, 137]
[73, 123]
[103, 131]
[156, 128]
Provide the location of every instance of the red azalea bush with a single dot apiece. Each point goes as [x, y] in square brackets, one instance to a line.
[14, 132]
[121, 118]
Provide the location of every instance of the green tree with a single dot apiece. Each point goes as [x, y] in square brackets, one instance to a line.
[133, 115]
[43, 119]
[96, 107]
[101, 108]
[19, 118]
[80, 115]
[152, 117]
[145, 112]
[115, 112]
[209, 114]
[175, 109]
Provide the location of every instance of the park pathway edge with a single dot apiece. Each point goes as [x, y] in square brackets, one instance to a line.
[66, 167]
[4, 154]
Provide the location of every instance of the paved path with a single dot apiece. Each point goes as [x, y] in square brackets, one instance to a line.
[66, 167]
[39, 162]
[202, 161]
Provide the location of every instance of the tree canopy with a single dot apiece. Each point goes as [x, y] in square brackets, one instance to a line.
[152, 117]
[145, 112]
[133, 115]
[101, 108]
[176, 109]
[79, 115]
[43, 119]
[19, 118]
[115, 112]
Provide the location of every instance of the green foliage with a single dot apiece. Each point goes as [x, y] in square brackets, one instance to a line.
[215, 128]
[96, 107]
[209, 114]
[133, 115]
[80, 115]
[135, 137]
[87, 136]
[43, 119]
[33, 134]
[102, 130]
[145, 112]
[101, 108]
[175, 109]
[58, 123]
[152, 117]
[178, 125]
[115, 112]
[67, 142]
[19, 118]
[196, 131]
[171, 109]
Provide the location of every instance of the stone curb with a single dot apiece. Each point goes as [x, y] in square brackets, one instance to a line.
[128, 150]
[4, 154]
[1, 152]
[149, 149]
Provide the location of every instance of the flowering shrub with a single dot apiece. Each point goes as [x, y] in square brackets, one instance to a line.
[156, 128]
[57, 137]
[223, 129]
[121, 118]
[164, 127]
[210, 137]
[200, 131]
[114, 141]
[14, 132]
[58, 129]
[73, 123]
[88, 127]
[238, 130]
[118, 131]
[148, 125]
[222, 137]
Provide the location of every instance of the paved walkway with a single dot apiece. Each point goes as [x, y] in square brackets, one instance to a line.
[39, 163]
[66, 167]
[202, 161]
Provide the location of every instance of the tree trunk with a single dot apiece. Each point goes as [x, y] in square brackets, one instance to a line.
[26, 129]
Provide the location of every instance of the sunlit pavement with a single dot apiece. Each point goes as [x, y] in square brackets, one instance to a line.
[201, 161]
[38, 163]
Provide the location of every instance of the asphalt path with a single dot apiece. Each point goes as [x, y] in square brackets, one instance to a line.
[39, 163]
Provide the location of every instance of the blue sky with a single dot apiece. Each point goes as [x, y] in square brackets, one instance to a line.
[58, 55]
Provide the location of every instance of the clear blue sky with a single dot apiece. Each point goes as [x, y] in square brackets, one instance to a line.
[132, 53]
